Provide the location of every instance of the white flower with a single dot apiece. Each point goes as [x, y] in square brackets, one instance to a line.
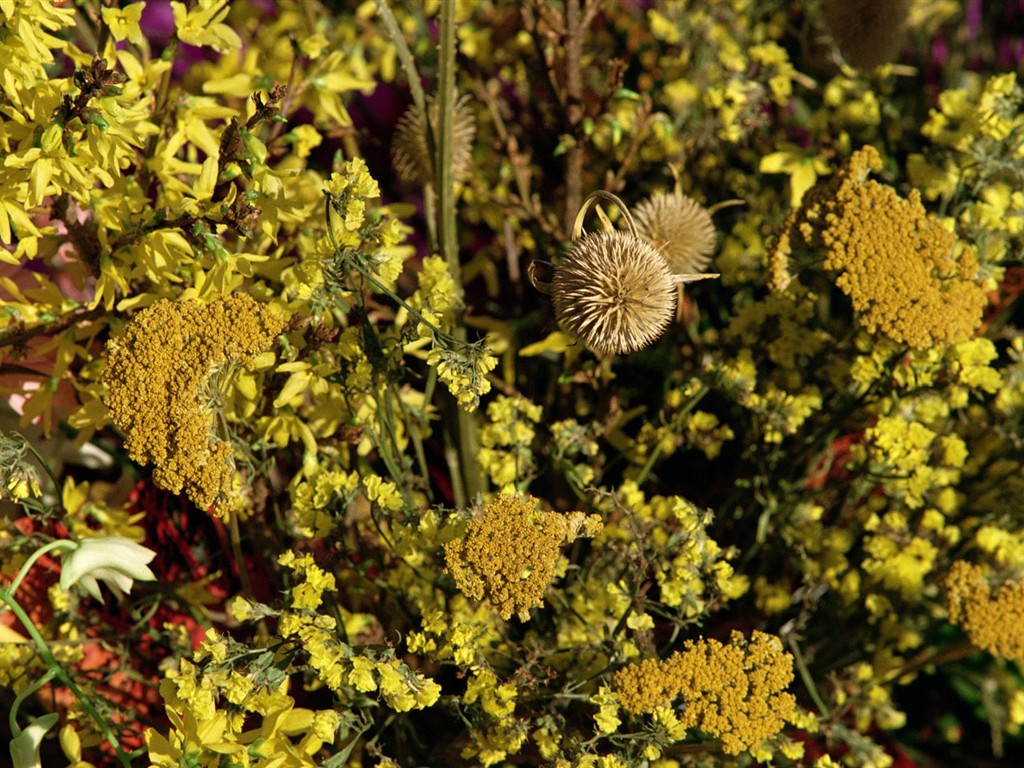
[113, 559]
[25, 746]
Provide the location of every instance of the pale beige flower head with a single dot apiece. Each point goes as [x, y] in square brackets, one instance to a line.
[868, 33]
[680, 228]
[410, 153]
[614, 292]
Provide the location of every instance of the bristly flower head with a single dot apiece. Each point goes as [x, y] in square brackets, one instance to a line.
[509, 554]
[680, 228]
[158, 374]
[410, 153]
[613, 291]
[868, 33]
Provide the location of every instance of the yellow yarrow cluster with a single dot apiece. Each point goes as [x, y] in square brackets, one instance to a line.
[735, 692]
[992, 618]
[158, 378]
[906, 275]
[509, 554]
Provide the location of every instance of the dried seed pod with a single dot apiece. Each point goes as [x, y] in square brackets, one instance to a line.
[410, 155]
[868, 33]
[680, 228]
[614, 292]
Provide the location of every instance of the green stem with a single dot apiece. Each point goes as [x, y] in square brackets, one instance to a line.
[466, 425]
[12, 717]
[805, 676]
[445, 177]
[56, 671]
[27, 565]
[394, 33]
[657, 450]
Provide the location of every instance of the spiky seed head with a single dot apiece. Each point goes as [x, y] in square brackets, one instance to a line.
[868, 33]
[680, 228]
[614, 292]
[409, 153]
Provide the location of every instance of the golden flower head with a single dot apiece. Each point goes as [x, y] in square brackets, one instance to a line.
[906, 275]
[868, 33]
[158, 386]
[410, 153]
[680, 228]
[509, 553]
[735, 691]
[992, 619]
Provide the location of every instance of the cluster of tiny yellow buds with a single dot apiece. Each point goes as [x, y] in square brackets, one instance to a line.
[158, 386]
[992, 619]
[464, 371]
[354, 181]
[371, 239]
[735, 692]
[320, 501]
[342, 669]
[308, 593]
[905, 273]
[509, 554]
[505, 453]
[18, 476]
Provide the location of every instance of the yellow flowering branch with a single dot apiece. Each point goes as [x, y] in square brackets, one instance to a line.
[54, 669]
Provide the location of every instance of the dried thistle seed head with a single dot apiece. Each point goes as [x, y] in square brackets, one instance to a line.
[680, 228]
[409, 152]
[614, 292]
[868, 33]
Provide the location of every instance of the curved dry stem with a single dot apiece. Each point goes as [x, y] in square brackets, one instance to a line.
[692, 278]
[712, 210]
[544, 286]
[593, 197]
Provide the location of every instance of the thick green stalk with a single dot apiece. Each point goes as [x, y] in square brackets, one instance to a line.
[468, 439]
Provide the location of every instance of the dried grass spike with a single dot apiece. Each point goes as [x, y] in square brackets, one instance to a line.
[680, 228]
[410, 155]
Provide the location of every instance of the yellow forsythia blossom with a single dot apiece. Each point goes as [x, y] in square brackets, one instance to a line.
[158, 379]
[509, 554]
[992, 619]
[906, 275]
[735, 692]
